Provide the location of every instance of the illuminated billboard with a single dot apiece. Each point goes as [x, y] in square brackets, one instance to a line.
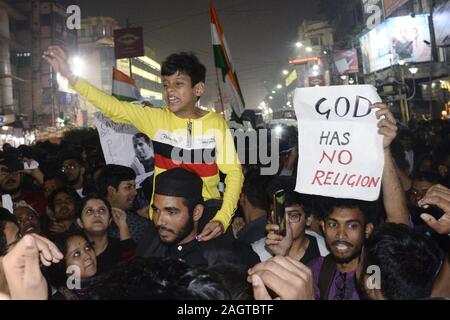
[403, 37]
[441, 21]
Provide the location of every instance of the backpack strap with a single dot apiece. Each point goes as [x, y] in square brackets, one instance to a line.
[326, 276]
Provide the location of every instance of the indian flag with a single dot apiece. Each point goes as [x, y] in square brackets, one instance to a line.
[124, 88]
[223, 61]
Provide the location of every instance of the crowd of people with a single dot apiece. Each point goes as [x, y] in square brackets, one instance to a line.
[73, 227]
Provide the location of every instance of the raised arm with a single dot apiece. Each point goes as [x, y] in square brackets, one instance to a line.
[118, 111]
[393, 194]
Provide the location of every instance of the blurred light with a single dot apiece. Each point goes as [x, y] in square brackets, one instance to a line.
[5, 128]
[78, 66]
[413, 70]
[279, 86]
[299, 44]
[401, 62]
[325, 52]
[316, 67]
[444, 113]
[278, 130]
[309, 49]
[270, 97]
[315, 73]
[285, 72]
[391, 56]
[351, 81]
[433, 85]
[273, 91]
[343, 77]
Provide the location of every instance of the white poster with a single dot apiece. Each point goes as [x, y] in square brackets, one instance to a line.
[122, 144]
[340, 150]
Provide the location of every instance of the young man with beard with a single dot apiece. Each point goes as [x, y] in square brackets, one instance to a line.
[74, 170]
[178, 208]
[64, 204]
[117, 184]
[347, 222]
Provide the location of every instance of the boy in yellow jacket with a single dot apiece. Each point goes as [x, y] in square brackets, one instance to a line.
[182, 135]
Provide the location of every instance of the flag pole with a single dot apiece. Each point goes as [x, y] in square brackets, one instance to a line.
[220, 93]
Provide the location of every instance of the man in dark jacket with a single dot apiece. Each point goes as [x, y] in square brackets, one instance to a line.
[177, 210]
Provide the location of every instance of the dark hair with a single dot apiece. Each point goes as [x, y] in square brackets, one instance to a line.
[158, 279]
[408, 261]
[112, 175]
[367, 208]
[187, 63]
[71, 155]
[57, 272]
[304, 200]
[254, 189]
[143, 136]
[428, 176]
[5, 216]
[67, 190]
[98, 197]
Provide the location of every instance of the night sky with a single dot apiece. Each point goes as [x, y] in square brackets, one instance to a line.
[260, 33]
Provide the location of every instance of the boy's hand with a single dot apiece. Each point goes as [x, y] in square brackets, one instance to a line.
[439, 196]
[211, 231]
[387, 126]
[58, 59]
[287, 278]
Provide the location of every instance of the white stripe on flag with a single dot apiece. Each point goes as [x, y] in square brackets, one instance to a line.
[125, 90]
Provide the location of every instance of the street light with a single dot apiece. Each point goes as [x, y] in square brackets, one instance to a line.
[316, 67]
[299, 44]
[285, 72]
[270, 97]
[401, 62]
[279, 86]
[309, 49]
[413, 70]
[315, 73]
[273, 91]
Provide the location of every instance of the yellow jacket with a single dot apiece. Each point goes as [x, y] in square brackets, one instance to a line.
[204, 146]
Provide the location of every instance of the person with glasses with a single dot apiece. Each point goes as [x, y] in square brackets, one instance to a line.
[296, 243]
[73, 171]
[95, 218]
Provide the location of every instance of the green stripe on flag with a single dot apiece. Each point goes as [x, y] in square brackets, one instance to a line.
[123, 98]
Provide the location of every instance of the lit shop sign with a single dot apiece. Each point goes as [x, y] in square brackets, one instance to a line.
[7, 119]
[305, 60]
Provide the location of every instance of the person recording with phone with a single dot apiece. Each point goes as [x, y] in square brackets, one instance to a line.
[286, 227]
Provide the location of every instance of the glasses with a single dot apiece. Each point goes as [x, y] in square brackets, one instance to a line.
[341, 286]
[295, 216]
[68, 167]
